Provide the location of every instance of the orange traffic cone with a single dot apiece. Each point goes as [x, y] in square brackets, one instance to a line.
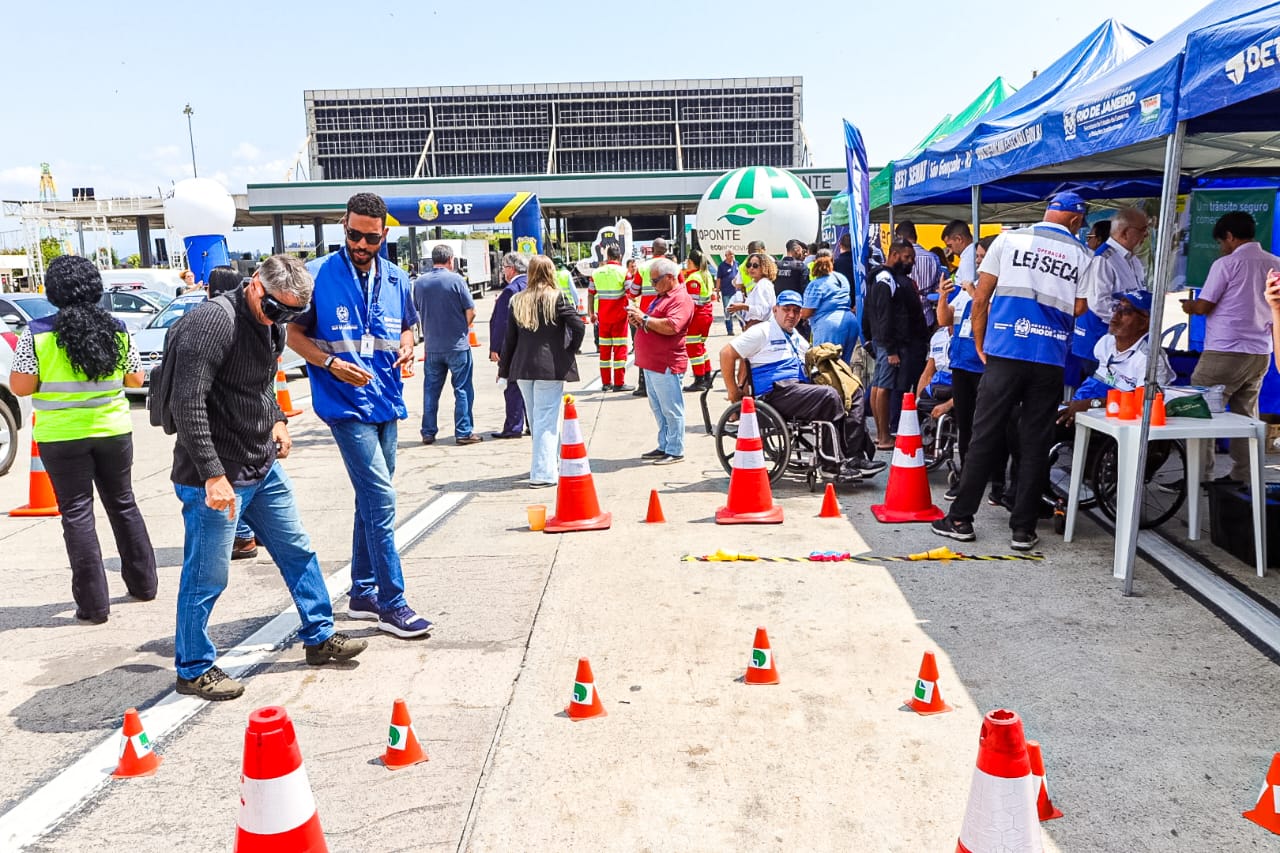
[137, 758]
[1044, 806]
[277, 810]
[1001, 814]
[1130, 407]
[926, 698]
[830, 506]
[41, 501]
[654, 515]
[907, 496]
[576, 505]
[403, 749]
[471, 336]
[762, 669]
[1113, 402]
[750, 498]
[1158, 415]
[585, 703]
[1264, 813]
[283, 400]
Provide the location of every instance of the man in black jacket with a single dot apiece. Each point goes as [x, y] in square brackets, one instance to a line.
[230, 433]
[895, 320]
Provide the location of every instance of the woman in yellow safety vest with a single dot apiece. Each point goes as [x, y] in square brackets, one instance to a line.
[75, 365]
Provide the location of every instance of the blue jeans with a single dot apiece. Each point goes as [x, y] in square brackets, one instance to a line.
[457, 363]
[666, 399]
[269, 509]
[243, 531]
[369, 452]
[542, 401]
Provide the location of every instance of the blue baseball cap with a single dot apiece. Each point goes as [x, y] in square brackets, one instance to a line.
[1068, 201]
[1140, 299]
[790, 297]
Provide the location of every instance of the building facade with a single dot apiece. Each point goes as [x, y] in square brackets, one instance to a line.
[556, 128]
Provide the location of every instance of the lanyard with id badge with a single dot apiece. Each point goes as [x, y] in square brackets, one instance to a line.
[370, 298]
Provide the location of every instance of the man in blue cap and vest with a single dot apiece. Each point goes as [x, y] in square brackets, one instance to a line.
[1022, 316]
[356, 335]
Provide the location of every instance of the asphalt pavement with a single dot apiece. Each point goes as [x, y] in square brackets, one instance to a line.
[1157, 719]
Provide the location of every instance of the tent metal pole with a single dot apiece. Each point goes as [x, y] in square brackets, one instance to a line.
[975, 210]
[891, 222]
[1163, 273]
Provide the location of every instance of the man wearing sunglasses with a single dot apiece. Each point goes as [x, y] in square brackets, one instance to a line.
[224, 466]
[1115, 270]
[356, 335]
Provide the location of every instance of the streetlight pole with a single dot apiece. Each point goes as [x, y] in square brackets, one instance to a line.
[188, 112]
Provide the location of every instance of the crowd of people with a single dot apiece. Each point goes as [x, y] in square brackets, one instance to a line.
[998, 328]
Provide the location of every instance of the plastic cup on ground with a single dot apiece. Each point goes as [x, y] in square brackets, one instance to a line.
[537, 516]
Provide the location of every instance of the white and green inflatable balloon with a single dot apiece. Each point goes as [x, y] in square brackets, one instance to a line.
[755, 203]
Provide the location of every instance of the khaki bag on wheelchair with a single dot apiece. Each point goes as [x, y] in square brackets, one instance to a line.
[825, 367]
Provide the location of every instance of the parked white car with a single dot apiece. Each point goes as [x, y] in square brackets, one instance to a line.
[15, 412]
[166, 281]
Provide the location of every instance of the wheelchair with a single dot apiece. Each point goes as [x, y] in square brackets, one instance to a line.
[1164, 481]
[939, 435]
[809, 448]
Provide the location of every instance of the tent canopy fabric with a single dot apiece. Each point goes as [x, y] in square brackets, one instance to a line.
[992, 96]
[958, 161]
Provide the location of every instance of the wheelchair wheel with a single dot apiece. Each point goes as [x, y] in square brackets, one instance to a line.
[1164, 486]
[774, 437]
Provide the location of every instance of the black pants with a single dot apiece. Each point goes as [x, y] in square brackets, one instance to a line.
[1006, 383]
[964, 390]
[75, 467]
[806, 402]
[914, 355]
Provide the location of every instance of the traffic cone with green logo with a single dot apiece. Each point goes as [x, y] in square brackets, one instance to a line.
[926, 698]
[1266, 812]
[137, 757]
[403, 749]
[762, 669]
[585, 703]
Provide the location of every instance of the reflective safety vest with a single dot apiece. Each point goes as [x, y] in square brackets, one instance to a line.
[565, 281]
[343, 315]
[646, 283]
[68, 404]
[609, 282]
[700, 287]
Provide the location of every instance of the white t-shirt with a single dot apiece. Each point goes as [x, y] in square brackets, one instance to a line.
[774, 355]
[1127, 369]
[760, 301]
[968, 268]
[940, 350]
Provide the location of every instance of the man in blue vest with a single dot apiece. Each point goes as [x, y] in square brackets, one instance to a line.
[356, 335]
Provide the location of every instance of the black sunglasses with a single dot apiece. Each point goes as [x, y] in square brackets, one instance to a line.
[278, 312]
[753, 266]
[371, 239]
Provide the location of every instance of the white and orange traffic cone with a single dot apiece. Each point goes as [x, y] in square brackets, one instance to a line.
[277, 809]
[907, 496]
[585, 703]
[762, 669]
[403, 749]
[750, 497]
[926, 698]
[137, 756]
[1264, 813]
[1001, 814]
[283, 400]
[1044, 805]
[576, 505]
[41, 501]
[471, 336]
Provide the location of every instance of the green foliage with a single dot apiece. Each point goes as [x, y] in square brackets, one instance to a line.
[133, 261]
[50, 248]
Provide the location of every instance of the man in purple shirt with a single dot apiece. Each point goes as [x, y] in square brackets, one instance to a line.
[1237, 326]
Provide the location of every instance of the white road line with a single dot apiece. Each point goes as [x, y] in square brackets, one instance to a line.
[62, 795]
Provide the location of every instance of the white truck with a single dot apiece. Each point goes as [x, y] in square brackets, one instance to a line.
[471, 260]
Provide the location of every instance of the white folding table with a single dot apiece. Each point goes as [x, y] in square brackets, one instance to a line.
[1192, 430]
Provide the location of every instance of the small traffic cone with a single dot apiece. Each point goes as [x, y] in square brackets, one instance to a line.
[1264, 813]
[1001, 814]
[762, 669]
[1044, 806]
[926, 698]
[654, 515]
[576, 505]
[403, 749]
[277, 809]
[750, 498]
[137, 758]
[585, 703]
[907, 497]
[283, 400]
[830, 506]
[41, 501]
[1158, 415]
[1130, 408]
[1113, 402]
[471, 336]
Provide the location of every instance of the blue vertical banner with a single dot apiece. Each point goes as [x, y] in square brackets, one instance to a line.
[855, 164]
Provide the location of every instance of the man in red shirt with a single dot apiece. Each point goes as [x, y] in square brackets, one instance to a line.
[661, 356]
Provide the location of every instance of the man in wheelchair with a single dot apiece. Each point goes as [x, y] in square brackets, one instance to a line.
[775, 352]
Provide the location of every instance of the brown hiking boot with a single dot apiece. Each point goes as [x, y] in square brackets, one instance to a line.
[339, 646]
[212, 684]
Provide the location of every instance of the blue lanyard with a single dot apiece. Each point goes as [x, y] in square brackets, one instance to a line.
[368, 294]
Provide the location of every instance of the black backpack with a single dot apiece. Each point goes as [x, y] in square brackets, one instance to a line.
[158, 405]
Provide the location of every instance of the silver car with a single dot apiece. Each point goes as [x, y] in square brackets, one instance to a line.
[15, 411]
[134, 308]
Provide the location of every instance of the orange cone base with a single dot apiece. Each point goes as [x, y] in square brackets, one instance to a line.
[578, 713]
[772, 515]
[1053, 812]
[402, 765]
[293, 413]
[766, 677]
[599, 522]
[885, 515]
[30, 511]
[925, 711]
[308, 837]
[151, 763]
[1266, 821]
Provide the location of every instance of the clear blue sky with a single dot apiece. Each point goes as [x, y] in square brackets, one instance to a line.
[97, 89]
